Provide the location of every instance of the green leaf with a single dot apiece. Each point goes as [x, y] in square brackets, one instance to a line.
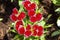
[58, 22]
[42, 37]
[1, 19]
[46, 19]
[20, 2]
[21, 6]
[42, 23]
[55, 33]
[47, 26]
[12, 0]
[56, 2]
[16, 37]
[36, 1]
[13, 31]
[41, 9]
[57, 10]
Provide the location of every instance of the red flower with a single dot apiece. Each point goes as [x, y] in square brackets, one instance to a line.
[26, 5]
[38, 16]
[18, 23]
[28, 33]
[13, 17]
[40, 31]
[33, 6]
[33, 19]
[35, 27]
[28, 27]
[29, 6]
[21, 16]
[31, 13]
[21, 30]
[40, 28]
[15, 11]
[37, 30]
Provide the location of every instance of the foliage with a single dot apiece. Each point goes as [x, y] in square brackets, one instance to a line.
[56, 33]
[1, 19]
[56, 2]
[58, 22]
[57, 10]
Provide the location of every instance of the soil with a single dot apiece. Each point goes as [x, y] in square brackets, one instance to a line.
[6, 7]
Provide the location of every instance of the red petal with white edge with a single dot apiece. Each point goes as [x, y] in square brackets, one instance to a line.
[21, 16]
[13, 17]
[28, 27]
[35, 27]
[33, 19]
[18, 23]
[21, 30]
[15, 11]
[39, 16]
[34, 33]
[28, 33]
[26, 3]
[31, 12]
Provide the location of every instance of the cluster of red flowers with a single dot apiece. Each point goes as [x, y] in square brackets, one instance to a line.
[30, 7]
[28, 30]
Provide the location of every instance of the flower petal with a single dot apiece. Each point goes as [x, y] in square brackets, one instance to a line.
[18, 23]
[31, 13]
[13, 17]
[28, 27]
[15, 11]
[38, 16]
[28, 33]
[33, 6]
[21, 30]
[21, 16]
[33, 19]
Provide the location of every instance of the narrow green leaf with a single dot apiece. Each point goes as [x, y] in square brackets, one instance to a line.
[47, 26]
[13, 31]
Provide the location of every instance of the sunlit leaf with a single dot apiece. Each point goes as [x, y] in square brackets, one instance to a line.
[42, 37]
[42, 23]
[1, 19]
[47, 26]
[12, 0]
[56, 2]
[57, 10]
[58, 22]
